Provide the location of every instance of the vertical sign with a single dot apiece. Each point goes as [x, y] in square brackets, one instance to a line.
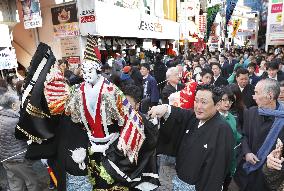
[275, 29]
[87, 17]
[31, 13]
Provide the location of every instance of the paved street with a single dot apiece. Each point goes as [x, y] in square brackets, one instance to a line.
[167, 172]
[40, 170]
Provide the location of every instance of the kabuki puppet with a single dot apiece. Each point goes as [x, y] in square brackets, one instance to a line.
[91, 135]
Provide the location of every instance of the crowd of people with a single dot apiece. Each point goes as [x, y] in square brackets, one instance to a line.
[216, 118]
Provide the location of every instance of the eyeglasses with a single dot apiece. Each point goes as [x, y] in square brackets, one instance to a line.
[227, 100]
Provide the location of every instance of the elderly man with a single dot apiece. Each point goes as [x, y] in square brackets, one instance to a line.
[201, 141]
[172, 85]
[262, 126]
[20, 173]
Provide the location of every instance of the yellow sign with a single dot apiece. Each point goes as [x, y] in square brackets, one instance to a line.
[279, 18]
[236, 24]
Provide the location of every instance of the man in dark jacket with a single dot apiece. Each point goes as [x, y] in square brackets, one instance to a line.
[160, 70]
[242, 78]
[253, 79]
[172, 84]
[150, 88]
[218, 80]
[273, 71]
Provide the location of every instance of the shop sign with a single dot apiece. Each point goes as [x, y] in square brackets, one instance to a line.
[74, 60]
[70, 46]
[64, 19]
[31, 14]
[277, 37]
[276, 8]
[151, 26]
[8, 59]
[276, 28]
[87, 17]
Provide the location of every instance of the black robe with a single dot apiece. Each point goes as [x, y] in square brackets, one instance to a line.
[168, 90]
[70, 135]
[247, 94]
[255, 130]
[221, 81]
[203, 154]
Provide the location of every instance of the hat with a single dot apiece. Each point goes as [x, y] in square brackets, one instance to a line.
[92, 52]
[126, 69]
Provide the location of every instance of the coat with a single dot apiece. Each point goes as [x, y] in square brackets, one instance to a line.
[204, 154]
[221, 81]
[247, 94]
[168, 90]
[253, 79]
[151, 89]
[9, 145]
[255, 130]
[160, 70]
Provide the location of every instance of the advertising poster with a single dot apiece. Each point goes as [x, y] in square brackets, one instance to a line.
[275, 28]
[31, 14]
[65, 22]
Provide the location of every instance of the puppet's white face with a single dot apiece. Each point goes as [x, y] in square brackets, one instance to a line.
[90, 73]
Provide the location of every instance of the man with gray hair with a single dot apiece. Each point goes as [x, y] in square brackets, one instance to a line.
[20, 174]
[173, 84]
[263, 125]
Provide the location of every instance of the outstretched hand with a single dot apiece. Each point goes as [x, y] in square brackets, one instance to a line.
[158, 111]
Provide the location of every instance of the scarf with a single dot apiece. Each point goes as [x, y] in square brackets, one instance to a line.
[270, 139]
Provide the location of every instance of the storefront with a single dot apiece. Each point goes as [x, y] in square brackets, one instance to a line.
[121, 28]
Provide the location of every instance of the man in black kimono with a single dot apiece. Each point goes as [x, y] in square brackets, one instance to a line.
[201, 141]
[260, 132]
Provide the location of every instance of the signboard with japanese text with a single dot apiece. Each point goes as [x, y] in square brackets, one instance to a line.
[87, 17]
[275, 28]
[31, 14]
[64, 19]
[73, 62]
[8, 58]
[70, 46]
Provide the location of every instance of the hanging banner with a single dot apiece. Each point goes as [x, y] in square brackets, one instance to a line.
[8, 58]
[31, 14]
[87, 17]
[211, 15]
[236, 25]
[231, 4]
[202, 23]
[65, 22]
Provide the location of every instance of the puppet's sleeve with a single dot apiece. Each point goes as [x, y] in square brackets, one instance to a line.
[132, 133]
[56, 91]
